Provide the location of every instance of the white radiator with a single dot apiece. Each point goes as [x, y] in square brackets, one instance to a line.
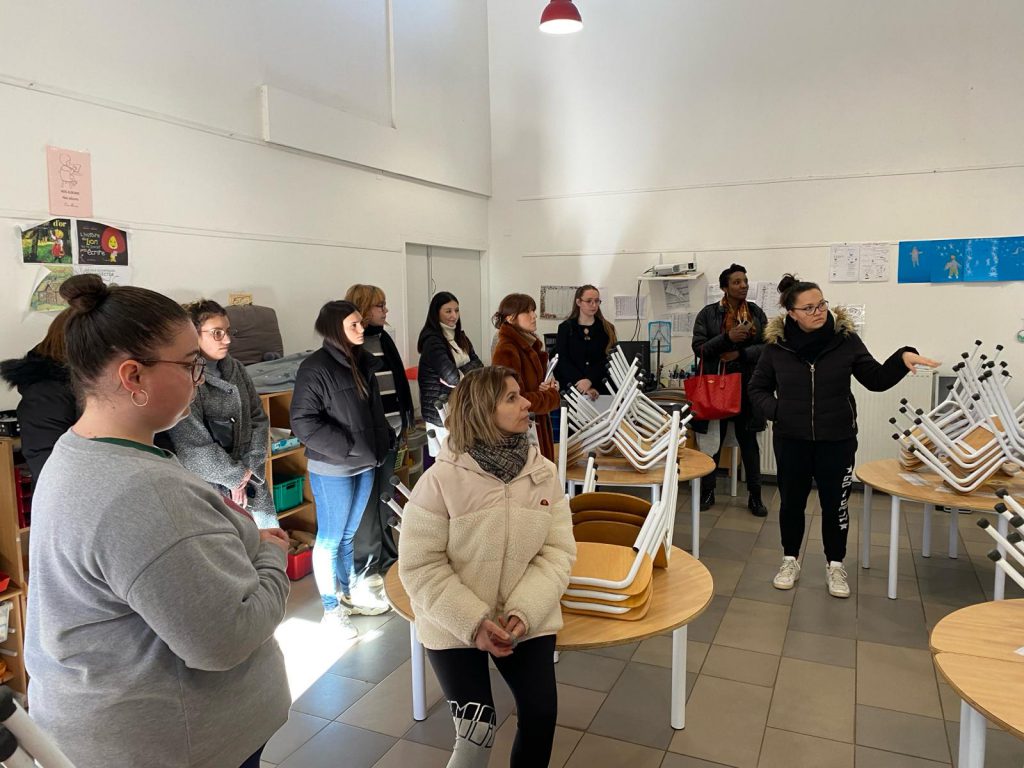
[874, 409]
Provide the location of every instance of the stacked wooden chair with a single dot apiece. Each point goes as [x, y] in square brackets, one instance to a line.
[973, 434]
[620, 539]
[1009, 551]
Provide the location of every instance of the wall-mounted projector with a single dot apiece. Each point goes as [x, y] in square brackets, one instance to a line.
[682, 268]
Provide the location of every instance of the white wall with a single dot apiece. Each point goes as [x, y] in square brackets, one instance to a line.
[758, 132]
[165, 96]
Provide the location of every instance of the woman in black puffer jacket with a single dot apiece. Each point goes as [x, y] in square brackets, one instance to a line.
[446, 355]
[338, 415]
[802, 384]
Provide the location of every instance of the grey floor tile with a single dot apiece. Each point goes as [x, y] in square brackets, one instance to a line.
[331, 695]
[388, 707]
[819, 613]
[783, 749]
[756, 583]
[728, 545]
[766, 555]
[949, 587]
[577, 706]
[565, 742]
[743, 666]
[703, 629]
[637, 709]
[1001, 748]
[600, 752]
[893, 677]
[585, 670]
[898, 732]
[623, 652]
[893, 622]
[814, 699]
[754, 626]
[299, 729]
[725, 722]
[437, 730]
[724, 572]
[361, 748]
[408, 753]
[734, 519]
[825, 649]
[657, 650]
[375, 660]
[685, 761]
[935, 612]
[875, 758]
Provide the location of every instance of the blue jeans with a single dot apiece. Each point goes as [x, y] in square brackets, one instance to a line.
[340, 502]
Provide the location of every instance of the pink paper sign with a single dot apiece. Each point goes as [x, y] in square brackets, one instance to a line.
[70, 179]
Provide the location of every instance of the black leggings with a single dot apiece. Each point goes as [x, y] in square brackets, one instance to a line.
[530, 674]
[830, 464]
[254, 759]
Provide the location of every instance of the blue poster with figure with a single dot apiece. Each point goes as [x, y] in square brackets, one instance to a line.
[965, 260]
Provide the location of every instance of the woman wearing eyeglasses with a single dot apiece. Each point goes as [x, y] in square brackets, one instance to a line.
[150, 632]
[585, 340]
[224, 438]
[803, 384]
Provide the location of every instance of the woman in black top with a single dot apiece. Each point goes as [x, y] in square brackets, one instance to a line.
[446, 355]
[802, 383]
[584, 341]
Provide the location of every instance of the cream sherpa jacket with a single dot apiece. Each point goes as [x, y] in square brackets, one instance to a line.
[473, 548]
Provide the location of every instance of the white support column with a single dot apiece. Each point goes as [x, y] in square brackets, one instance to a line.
[894, 545]
[865, 529]
[972, 737]
[926, 537]
[999, 587]
[695, 513]
[678, 706]
[419, 676]
[954, 529]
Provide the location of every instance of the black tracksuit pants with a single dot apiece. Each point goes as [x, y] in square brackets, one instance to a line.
[830, 465]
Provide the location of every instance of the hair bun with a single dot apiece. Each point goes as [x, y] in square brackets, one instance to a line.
[788, 280]
[84, 292]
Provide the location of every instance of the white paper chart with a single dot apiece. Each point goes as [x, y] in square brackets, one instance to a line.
[844, 263]
[677, 293]
[556, 301]
[682, 323]
[626, 307]
[874, 262]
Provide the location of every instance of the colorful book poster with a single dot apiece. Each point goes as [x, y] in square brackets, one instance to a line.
[69, 177]
[964, 260]
[47, 243]
[46, 296]
[101, 244]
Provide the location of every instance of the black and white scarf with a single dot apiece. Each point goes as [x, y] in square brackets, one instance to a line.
[506, 459]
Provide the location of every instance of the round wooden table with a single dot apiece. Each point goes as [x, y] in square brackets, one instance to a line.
[888, 476]
[976, 650]
[615, 470]
[681, 593]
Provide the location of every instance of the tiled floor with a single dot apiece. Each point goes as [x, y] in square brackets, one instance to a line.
[791, 679]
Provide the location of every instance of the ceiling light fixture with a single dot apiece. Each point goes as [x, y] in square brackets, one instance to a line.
[561, 17]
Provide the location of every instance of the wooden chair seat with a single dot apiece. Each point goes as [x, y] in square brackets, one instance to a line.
[605, 514]
[633, 614]
[629, 602]
[614, 502]
[614, 532]
[610, 563]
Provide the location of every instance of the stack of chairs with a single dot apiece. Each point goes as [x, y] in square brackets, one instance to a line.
[972, 434]
[1012, 544]
[620, 539]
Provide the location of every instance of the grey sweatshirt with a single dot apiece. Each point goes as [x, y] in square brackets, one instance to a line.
[151, 614]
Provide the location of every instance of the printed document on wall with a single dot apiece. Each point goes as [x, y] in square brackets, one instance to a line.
[677, 294]
[626, 308]
[844, 263]
[874, 262]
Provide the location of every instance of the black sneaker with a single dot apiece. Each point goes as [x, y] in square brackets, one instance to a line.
[707, 500]
[756, 506]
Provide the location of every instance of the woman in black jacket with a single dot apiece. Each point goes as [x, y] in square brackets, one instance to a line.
[446, 355]
[584, 341]
[337, 414]
[47, 408]
[802, 383]
[730, 332]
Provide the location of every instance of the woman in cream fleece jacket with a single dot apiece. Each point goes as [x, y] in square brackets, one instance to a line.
[485, 554]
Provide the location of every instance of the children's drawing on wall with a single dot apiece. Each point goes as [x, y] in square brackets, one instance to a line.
[47, 243]
[101, 244]
[46, 296]
[966, 260]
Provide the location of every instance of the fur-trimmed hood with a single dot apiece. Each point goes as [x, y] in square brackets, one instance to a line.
[776, 329]
[32, 369]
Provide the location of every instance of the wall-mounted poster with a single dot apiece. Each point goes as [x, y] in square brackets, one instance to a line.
[47, 243]
[69, 176]
[965, 260]
[101, 244]
[46, 296]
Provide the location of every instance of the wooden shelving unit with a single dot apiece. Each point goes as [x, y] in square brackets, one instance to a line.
[13, 557]
[290, 463]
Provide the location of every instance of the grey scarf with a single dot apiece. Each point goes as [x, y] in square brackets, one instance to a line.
[506, 459]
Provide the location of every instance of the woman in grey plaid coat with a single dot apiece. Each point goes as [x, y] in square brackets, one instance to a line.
[224, 439]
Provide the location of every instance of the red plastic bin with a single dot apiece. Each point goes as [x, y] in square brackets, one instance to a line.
[299, 565]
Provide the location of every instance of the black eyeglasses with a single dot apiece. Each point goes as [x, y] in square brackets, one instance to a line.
[813, 309]
[218, 334]
[197, 366]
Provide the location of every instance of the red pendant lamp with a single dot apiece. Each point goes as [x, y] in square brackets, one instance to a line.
[561, 17]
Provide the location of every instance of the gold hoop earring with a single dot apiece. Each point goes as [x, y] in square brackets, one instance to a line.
[142, 404]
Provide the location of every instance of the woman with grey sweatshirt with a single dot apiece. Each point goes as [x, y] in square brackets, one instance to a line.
[154, 598]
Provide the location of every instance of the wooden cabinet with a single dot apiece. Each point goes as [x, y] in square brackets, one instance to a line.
[290, 463]
[12, 562]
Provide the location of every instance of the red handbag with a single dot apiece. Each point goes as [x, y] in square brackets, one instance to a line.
[715, 396]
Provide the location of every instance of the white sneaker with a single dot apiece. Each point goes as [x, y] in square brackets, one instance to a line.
[835, 577]
[364, 602]
[788, 575]
[338, 621]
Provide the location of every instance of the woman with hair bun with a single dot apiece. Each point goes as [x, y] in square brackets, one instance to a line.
[225, 436]
[803, 385]
[150, 631]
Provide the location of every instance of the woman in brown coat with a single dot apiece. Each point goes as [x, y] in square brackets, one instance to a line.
[520, 349]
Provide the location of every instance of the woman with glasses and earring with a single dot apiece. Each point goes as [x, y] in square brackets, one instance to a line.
[729, 335]
[225, 437]
[585, 340]
[150, 632]
[803, 385]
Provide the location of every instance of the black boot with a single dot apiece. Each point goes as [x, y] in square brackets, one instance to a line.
[755, 505]
[707, 499]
